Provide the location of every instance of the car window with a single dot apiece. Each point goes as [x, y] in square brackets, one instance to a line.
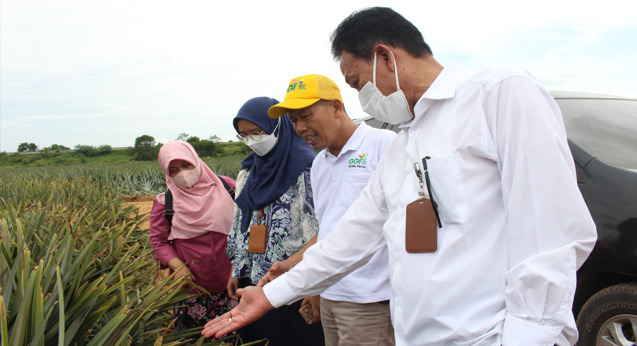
[605, 128]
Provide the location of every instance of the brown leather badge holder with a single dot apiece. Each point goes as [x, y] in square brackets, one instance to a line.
[421, 228]
[258, 236]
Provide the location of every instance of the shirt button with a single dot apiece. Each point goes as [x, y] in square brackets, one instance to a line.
[397, 256]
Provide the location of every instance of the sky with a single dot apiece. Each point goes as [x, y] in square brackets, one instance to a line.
[85, 72]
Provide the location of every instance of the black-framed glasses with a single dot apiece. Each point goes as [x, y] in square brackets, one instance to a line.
[428, 183]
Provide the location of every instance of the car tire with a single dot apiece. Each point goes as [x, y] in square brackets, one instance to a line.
[609, 317]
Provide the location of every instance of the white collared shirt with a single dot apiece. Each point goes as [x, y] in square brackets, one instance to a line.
[515, 227]
[336, 183]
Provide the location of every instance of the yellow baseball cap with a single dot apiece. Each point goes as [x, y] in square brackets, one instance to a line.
[305, 91]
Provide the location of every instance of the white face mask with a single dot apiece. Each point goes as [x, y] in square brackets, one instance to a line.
[187, 178]
[393, 109]
[265, 143]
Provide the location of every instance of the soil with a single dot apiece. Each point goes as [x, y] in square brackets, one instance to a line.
[144, 205]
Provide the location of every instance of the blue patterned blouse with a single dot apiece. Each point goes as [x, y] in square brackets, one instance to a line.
[290, 220]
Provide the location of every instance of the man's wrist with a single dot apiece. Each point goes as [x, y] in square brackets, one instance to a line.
[518, 331]
[278, 292]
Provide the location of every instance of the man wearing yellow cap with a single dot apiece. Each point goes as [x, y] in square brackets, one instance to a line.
[355, 310]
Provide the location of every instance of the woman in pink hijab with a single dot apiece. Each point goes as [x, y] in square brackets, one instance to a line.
[194, 244]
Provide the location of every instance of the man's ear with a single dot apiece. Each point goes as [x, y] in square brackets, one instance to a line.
[336, 106]
[385, 56]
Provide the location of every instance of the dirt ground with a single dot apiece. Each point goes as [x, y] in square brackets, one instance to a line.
[144, 205]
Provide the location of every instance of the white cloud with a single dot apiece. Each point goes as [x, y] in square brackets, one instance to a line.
[106, 72]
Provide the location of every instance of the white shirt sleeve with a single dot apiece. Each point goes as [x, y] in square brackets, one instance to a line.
[354, 240]
[550, 231]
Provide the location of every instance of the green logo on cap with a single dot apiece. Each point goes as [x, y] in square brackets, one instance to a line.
[296, 83]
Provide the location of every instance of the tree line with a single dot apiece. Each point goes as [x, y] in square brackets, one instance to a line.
[87, 150]
[146, 148]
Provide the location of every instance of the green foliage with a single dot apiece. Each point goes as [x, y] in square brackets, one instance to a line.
[90, 151]
[56, 148]
[76, 268]
[27, 147]
[203, 147]
[236, 149]
[130, 178]
[144, 141]
[145, 148]
[23, 147]
[232, 150]
[104, 149]
[193, 139]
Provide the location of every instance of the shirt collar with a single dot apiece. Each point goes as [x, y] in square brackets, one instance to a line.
[443, 87]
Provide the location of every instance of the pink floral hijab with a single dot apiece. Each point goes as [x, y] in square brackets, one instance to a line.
[206, 207]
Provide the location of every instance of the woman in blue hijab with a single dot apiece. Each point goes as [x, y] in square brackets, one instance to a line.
[273, 190]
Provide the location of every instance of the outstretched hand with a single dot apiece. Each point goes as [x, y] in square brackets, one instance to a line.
[252, 306]
[277, 269]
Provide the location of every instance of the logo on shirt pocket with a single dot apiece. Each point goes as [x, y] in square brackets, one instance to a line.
[359, 161]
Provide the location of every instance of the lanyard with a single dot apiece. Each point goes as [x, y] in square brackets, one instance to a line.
[421, 183]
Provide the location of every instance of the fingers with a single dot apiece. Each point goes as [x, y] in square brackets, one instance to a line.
[183, 272]
[316, 313]
[232, 292]
[220, 326]
[265, 279]
[275, 267]
[276, 270]
[315, 301]
[252, 306]
[232, 286]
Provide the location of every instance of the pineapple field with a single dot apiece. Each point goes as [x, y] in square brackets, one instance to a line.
[76, 265]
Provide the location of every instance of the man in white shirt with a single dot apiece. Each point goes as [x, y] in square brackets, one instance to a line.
[490, 149]
[355, 310]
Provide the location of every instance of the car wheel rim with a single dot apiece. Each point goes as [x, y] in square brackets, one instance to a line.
[618, 331]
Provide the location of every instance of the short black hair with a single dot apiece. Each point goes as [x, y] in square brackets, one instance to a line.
[361, 30]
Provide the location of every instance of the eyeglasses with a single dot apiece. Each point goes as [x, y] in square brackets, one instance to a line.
[253, 136]
[428, 183]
